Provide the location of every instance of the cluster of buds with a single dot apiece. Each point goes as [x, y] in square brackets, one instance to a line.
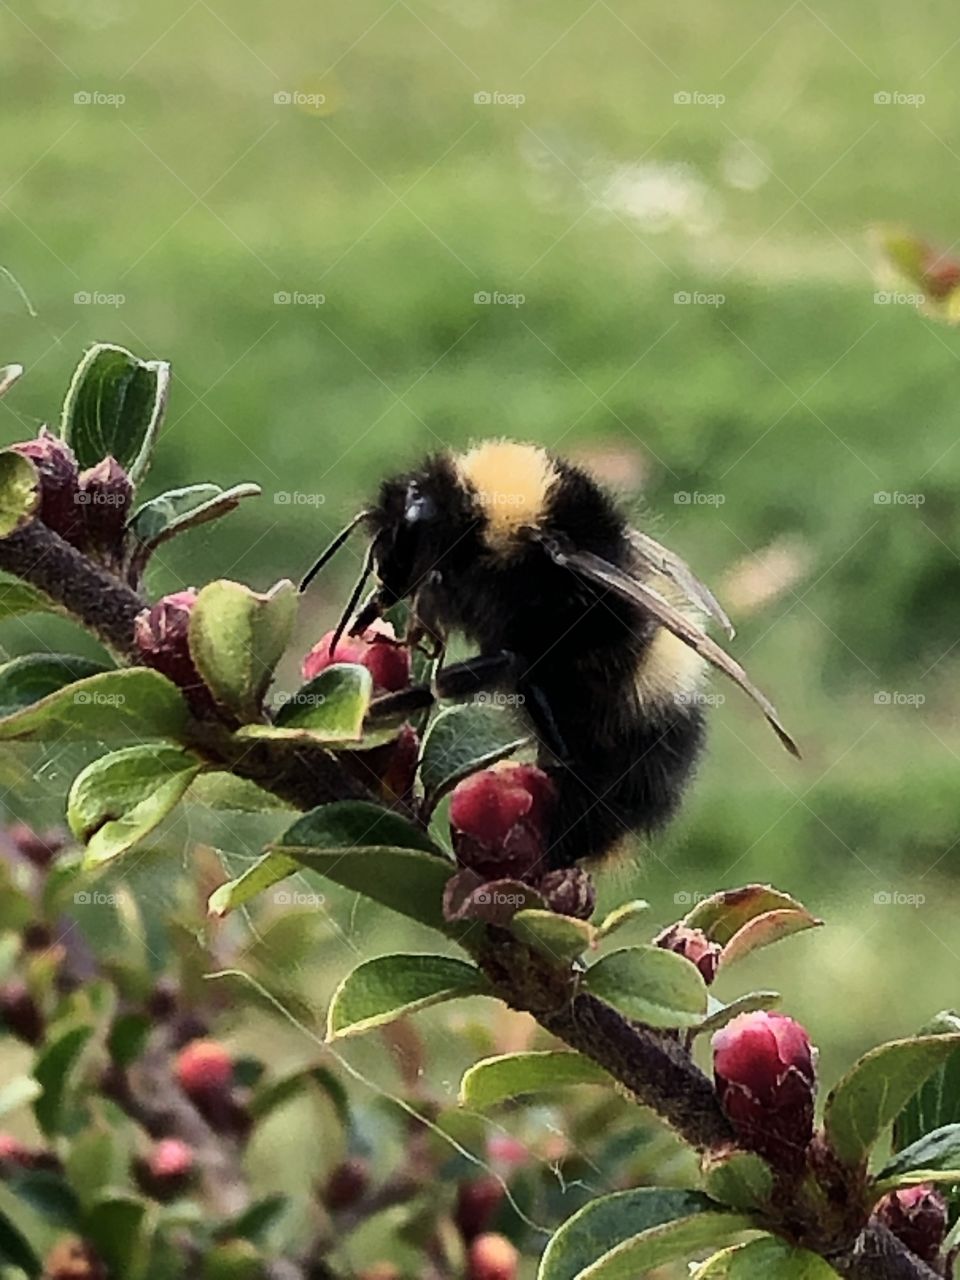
[162, 638]
[204, 1071]
[89, 509]
[695, 946]
[765, 1072]
[388, 770]
[500, 821]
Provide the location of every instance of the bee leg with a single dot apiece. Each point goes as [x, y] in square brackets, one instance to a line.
[397, 706]
[486, 671]
[538, 707]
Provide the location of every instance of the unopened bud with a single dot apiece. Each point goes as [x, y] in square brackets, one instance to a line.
[478, 1200]
[204, 1067]
[500, 820]
[105, 495]
[38, 848]
[695, 946]
[764, 1067]
[57, 469]
[492, 1257]
[167, 1171]
[569, 892]
[377, 649]
[347, 1184]
[918, 1216]
[388, 770]
[161, 635]
[19, 1012]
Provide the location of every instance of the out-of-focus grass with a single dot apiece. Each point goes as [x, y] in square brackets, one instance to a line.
[599, 199]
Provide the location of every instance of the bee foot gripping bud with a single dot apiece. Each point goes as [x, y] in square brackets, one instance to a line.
[500, 819]
[161, 635]
[57, 468]
[377, 649]
[695, 946]
[917, 1216]
[765, 1073]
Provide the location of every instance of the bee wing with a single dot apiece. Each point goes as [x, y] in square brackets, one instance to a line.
[608, 575]
[660, 559]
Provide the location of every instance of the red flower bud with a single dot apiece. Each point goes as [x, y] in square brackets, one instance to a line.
[19, 1012]
[941, 274]
[204, 1067]
[917, 1216]
[161, 634]
[569, 892]
[73, 1260]
[105, 497]
[695, 946]
[57, 468]
[168, 1170]
[478, 1200]
[500, 820]
[347, 1184]
[38, 848]
[492, 1257]
[377, 649]
[765, 1074]
[13, 1155]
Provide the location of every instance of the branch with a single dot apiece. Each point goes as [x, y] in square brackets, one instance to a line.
[879, 1255]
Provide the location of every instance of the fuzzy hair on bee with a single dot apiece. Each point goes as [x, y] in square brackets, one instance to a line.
[595, 629]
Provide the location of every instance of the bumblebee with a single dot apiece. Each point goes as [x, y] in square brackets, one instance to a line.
[595, 628]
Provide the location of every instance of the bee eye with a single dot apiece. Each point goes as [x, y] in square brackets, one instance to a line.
[419, 507]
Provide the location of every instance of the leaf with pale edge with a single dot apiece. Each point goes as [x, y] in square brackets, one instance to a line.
[462, 740]
[557, 937]
[933, 1158]
[621, 916]
[176, 510]
[875, 1089]
[105, 706]
[374, 852]
[258, 877]
[237, 637]
[621, 1236]
[724, 914]
[331, 706]
[18, 597]
[120, 798]
[767, 1257]
[937, 1101]
[654, 986]
[385, 988]
[719, 1014]
[114, 406]
[500, 1079]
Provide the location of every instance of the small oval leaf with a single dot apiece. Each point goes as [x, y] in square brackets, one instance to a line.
[260, 876]
[332, 705]
[765, 929]
[719, 1014]
[558, 937]
[724, 914]
[462, 740]
[108, 705]
[767, 1257]
[511, 1075]
[654, 986]
[740, 1179]
[384, 989]
[620, 916]
[18, 597]
[19, 491]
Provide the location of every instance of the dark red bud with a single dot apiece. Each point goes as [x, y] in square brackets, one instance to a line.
[347, 1184]
[569, 892]
[38, 848]
[73, 1259]
[695, 946]
[941, 274]
[764, 1067]
[167, 1171]
[377, 649]
[492, 1257]
[105, 495]
[478, 1200]
[161, 634]
[919, 1217]
[204, 1067]
[19, 1012]
[57, 468]
[500, 820]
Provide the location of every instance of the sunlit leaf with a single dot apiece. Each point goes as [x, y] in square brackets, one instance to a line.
[652, 985]
[134, 702]
[561, 938]
[512, 1075]
[19, 491]
[724, 914]
[767, 1257]
[381, 990]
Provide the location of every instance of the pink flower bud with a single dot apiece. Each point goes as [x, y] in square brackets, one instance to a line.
[161, 634]
[478, 1199]
[38, 848]
[764, 1067]
[917, 1216]
[105, 496]
[492, 1257]
[57, 468]
[377, 649]
[500, 820]
[695, 946]
[13, 1154]
[347, 1184]
[204, 1067]
[73, 1259]
[569, 892]
[168, 1170]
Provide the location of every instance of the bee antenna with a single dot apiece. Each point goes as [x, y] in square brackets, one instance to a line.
[355, 595]
[333, 548]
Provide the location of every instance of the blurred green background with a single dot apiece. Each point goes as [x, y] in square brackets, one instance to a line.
[300, 208]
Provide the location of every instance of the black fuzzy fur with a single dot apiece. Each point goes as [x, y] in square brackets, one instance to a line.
[578, 645]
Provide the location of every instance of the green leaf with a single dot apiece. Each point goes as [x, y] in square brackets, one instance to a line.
[724, 914]
[495, 1080]
[332, 705]
[937, 1101]
[114, 405]
[53, 1072]
[938, 1151]
[558, 937]
[768, 1257]
[19, 491]
[176, 510]
[16, 1250]
[237, 637]
[374, 852]
[385, 988]
[17, 1093]
[266, 871]
[767, 928]
[120, 798]
[113, 1225]
[719, 1014]
[35, 676]
[873, 1092]
[621, 1236]
[255, 1223]
[18, 597]
[221, 790]
[739, 1179]
[49, 1195]
[621, 916]
[127, 1038]
[652, 985]
[277, 1093]
[462, 740]
[134, 702]
[9, 374]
